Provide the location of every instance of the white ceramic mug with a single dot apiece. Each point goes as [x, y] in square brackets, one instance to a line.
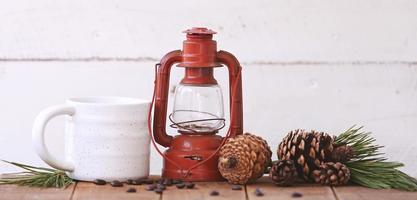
[105, 138]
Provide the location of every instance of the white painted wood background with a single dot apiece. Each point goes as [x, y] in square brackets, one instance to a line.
[307, 64]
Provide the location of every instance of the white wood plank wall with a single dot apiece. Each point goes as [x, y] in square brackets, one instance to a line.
[307, 64]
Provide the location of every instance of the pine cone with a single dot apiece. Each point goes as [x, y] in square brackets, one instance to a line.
[332, 174]
[342, 154]
[309, 150]
[283, 173]
[244, 158]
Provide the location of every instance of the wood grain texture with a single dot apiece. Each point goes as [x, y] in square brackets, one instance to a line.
[273, 192]
[13, 192]
[90, 191]
[202, 191]
[83, 190]
[362, 193]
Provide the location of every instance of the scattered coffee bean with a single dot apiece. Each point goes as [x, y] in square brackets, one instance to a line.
[258, 192]
[137, 182]
[214, 193]
[129, 181]
[148, 181]
[131, 190]
[176, 181]
[296, 195]
[150, 187]
[161, 186]
[180, 185]
[116, 183]
[100, 182]
[189, 185]
[167, 182]
[158, 191]
[236, 187]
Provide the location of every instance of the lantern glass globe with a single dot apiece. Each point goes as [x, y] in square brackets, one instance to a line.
[198, 108]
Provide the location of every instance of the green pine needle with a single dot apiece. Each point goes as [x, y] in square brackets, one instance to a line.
[36, 177]
[369, 167]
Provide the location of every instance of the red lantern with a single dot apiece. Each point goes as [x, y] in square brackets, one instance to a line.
[198, 108]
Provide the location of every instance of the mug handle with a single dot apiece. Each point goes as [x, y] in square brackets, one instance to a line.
[38, 133]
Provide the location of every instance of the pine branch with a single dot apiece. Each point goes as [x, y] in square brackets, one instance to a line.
[37, 177]
[369, 167]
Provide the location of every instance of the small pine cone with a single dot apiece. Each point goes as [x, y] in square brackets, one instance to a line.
[244, 158]
[342, 154]
[332, 174]
[283, 173]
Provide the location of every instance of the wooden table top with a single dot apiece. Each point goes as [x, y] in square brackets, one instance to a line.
[90, 191]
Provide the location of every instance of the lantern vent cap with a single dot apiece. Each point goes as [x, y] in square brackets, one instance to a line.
[199, 31]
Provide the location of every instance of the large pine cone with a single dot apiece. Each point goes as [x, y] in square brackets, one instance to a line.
[283, 173]
[309, 150]
[332, 174]
[244, 158]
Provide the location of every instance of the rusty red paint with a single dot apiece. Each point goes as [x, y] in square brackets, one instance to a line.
[199, 56]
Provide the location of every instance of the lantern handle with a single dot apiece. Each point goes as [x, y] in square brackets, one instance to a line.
[150, 124]
[235, 93]
[161, 97]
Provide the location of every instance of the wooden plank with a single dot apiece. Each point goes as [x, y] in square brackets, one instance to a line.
[83, 190]
[131, 28]
[271, 191]
[14, 192]
[202, 190]
[359, 193]
[90, 191]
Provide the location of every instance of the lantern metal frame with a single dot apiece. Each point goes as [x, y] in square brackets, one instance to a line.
[189, 156]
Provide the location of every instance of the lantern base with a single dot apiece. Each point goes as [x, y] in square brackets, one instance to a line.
[188, 150]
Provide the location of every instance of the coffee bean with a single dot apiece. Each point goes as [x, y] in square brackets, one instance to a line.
[167, 182]
[129, 181]
[131, 190]
[137, 182]
[180, 185]
[150, 187]
[100, 182]
[116, 183]
[176, 181]
[296, 195]
[158, 191]
[258, 192]
[148, 181]
[189, 185]
[161, 186]
[236, 187]
[214, 193]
